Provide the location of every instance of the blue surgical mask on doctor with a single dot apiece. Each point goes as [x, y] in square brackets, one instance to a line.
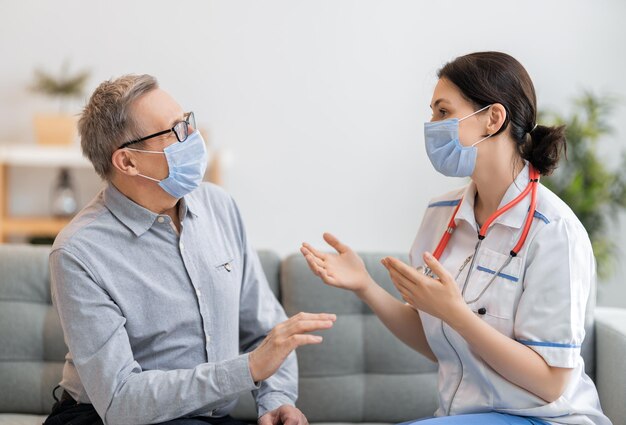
[187, 162]
[444, 149]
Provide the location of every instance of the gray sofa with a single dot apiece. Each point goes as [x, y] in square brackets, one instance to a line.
[361, 373]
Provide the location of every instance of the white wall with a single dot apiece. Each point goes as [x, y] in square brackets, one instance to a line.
[319, 103]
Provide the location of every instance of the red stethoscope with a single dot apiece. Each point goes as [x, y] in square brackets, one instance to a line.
[443, 243]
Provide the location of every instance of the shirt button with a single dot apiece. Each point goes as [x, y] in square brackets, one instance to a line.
[160, 219]
[198, 293]
[182, 246]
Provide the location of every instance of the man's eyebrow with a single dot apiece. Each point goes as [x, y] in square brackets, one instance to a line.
[177, 120]
[438, 101]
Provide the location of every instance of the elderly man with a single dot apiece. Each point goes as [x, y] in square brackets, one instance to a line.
[157, 287]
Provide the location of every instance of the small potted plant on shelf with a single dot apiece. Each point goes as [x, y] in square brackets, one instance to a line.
[58, 128]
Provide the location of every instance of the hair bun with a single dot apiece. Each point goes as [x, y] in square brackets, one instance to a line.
[545, 148]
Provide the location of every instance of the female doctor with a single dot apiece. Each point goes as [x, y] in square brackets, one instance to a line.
[501, 269]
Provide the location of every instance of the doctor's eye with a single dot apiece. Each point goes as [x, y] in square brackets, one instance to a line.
[443, 112]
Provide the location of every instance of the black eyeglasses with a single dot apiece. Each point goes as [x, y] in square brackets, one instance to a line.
[180, 129]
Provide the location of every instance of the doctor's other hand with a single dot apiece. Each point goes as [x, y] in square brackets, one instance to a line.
[345, 269]
[438, 297]
[265, 360]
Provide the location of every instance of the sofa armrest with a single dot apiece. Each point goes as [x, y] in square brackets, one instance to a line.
[610, 330]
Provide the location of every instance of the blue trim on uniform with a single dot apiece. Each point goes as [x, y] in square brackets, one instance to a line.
[452, 203]
[506, 276]
[541, 217]
[547, 344]
[490, 418]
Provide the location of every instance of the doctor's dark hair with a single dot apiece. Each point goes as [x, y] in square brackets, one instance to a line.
[485, 78]
[107, 120]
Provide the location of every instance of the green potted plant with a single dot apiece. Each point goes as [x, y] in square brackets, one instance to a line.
[58, 128]
[594, 190]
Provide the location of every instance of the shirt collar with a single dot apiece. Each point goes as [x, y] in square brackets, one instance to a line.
[514, 217]
[132, 215]
[188, 205]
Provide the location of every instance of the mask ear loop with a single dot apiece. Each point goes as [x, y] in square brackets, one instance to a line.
[141, 150]
[474, 113]
[484, 138]
[149, 178]
[143, 175]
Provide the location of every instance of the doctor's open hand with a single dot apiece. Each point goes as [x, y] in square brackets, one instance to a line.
[345, 269]
[438, 297]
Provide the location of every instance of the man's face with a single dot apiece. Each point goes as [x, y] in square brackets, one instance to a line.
[155, 111]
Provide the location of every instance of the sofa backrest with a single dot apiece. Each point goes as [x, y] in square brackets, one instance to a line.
[360, 373]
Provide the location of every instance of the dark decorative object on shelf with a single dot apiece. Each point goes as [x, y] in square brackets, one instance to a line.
[41, 240]
[64, 201]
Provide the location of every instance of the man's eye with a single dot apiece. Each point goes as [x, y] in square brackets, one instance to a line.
[443, 112]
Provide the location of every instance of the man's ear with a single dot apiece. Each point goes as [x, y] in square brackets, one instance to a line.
[125, 162]
[497, 116]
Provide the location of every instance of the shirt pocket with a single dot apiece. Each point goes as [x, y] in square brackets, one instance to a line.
[225, 287]
[494, 297]
[225, 272]
[226, 265]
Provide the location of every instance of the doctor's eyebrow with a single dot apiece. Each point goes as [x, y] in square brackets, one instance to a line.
[438, 101]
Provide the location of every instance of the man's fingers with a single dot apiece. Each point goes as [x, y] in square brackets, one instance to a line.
[267, 419]
[303, 315]
[305, 339]
[334, 242]
[290, 416]
[304, 326]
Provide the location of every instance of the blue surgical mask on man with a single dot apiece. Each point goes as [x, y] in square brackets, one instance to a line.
[187, 162]
[445, 151]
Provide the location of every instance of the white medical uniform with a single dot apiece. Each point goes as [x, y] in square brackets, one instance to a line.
[539, 300]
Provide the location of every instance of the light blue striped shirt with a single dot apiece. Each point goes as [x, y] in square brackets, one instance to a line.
[155, 321]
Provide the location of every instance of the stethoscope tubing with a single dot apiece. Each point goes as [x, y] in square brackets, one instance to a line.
[441, 246]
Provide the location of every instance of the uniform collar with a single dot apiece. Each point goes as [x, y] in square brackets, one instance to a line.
[514, 217]
[137, 218]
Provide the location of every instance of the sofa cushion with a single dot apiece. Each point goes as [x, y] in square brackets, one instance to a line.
[32, 350]
[11, 419]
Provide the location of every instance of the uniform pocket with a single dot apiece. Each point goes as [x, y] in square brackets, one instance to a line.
[494, 296]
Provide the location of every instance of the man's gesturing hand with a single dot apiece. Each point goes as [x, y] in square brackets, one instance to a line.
[265, 360]
[284, 415]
